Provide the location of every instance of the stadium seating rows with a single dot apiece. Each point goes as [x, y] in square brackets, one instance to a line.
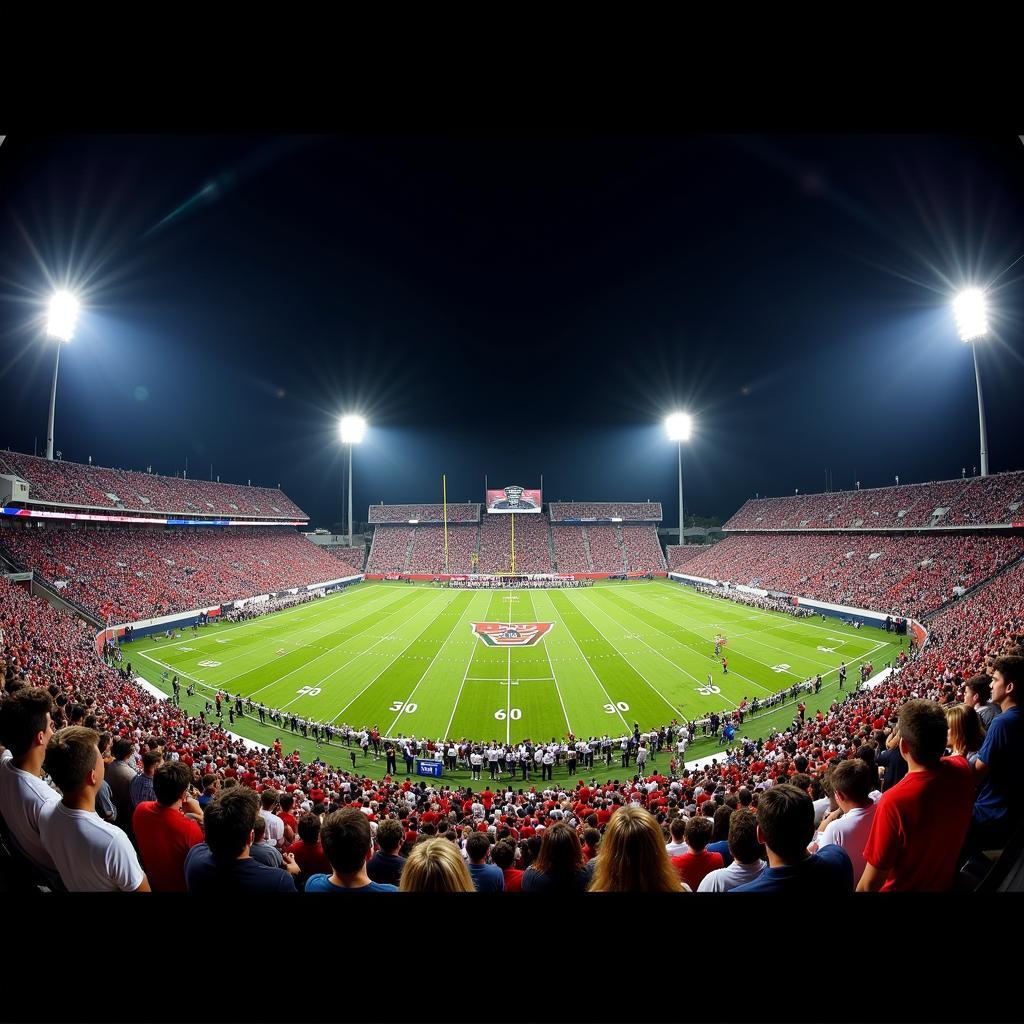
[643, 549]
[532, 551]
[643, 511]
[139, 572]
[70, 483]
[570, 549]
[972, 501]
[906, 574]
[389, 551]
[351, 558]
[457, 513]
[680, 555]
[428, 549]
[606, 553]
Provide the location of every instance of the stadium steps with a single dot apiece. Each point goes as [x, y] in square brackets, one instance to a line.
[551, 545]
[586, 548]
[622, 547]
[408, 550]
[928, 616]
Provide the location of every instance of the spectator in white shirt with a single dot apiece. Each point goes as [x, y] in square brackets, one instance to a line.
[91, 855]
[25, 729]
[275, 826]
[746, 856]
[678, 829]
[850, 826]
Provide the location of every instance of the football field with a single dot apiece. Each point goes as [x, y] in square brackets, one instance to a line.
[413, 659]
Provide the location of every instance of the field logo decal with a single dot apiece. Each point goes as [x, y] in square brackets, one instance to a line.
[510, 634]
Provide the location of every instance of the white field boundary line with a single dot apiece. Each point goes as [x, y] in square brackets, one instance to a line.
[330, 650]
[262, 664]
[465, 676]
[252, 623]
[508, 700]
[551, 668]
[423, 675]
[586, 659]
[681, 643]
[391, 662]
[777, 650]
[678, 668]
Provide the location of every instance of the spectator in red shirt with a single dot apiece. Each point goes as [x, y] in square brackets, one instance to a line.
[163, 832]
[307, 851]
[291, 826]
[591, 841]
[503, 854]
[921, 823]
[695, 864]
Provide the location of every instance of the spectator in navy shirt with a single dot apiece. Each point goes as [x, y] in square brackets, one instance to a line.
[999, 767]
[386, 864]
[785, 825]
[486, 877]
[345, 837]
[222, 863]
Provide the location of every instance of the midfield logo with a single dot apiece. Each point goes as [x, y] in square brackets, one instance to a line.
[515, 634]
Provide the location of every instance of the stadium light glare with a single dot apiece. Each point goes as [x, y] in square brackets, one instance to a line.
[969, 307]
[62, 316]
[60, 324]
[352, 429]
[679, 426]
[971, 319]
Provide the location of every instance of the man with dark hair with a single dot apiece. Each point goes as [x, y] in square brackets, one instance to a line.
[26, 726]
[119, 774]
[163, 832]
[211, 787]
[222, 863]
[697, 862]
[677, 829]
[978, 695]
[503, 857]
[275, 826]
[386, 864]
[999, 766]
[141, 787]
[486, 877]
[852, 782]
[921, 823]
[785, 824]
[746, 851]
[91, 854]
[345, 836]
[307, 851]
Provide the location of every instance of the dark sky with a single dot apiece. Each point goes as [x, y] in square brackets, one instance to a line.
[513, 306]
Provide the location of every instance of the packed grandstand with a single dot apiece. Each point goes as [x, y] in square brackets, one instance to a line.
[182, 803]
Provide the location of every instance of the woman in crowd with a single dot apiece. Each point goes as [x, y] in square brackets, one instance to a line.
[966, 732]
[560, 865]
[633, 857]
[435, 866]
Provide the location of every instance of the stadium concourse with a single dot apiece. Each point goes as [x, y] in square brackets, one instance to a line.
[131, 793]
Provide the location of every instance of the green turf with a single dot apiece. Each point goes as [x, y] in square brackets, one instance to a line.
[404, 658]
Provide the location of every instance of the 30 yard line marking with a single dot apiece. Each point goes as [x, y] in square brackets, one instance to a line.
[458, 696]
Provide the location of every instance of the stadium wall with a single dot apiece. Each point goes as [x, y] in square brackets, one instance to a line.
[427, 576]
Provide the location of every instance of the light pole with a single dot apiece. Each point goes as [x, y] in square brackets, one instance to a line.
[678, 426]
[352, 430]
[60, 324]
[972, 323]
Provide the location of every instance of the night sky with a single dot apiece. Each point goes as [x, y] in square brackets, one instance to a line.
[513, 306]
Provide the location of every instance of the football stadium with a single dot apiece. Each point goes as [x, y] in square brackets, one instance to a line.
[208, 688]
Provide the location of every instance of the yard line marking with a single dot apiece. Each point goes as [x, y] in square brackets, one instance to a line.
[585, 658]
[678, 668]
[451, 633]
[554, 679]
[458, 696]
[389, 664]
[305, 665]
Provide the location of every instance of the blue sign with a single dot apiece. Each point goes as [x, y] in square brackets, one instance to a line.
[431, 768]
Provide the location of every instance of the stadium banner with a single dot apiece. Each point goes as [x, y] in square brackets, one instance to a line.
[36, 513]
[756, 591]
[432, 769]
[513, 499]
[681, 577]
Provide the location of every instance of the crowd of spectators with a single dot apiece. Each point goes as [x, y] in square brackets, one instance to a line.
[350, 558]
[776, 813]
[129, 573]
[627, 511]
[643, 549]
[428, 549]
[71, 483]
[389, 550]
[570, 548]
[532, 551]
[606, 554]
[461, 512]
[907, 574]
[972, 501]
[680, 555]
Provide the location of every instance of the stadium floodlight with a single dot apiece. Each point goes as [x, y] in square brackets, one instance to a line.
[679, 426]
[60, 324]
[969, 307]
[352, 430]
